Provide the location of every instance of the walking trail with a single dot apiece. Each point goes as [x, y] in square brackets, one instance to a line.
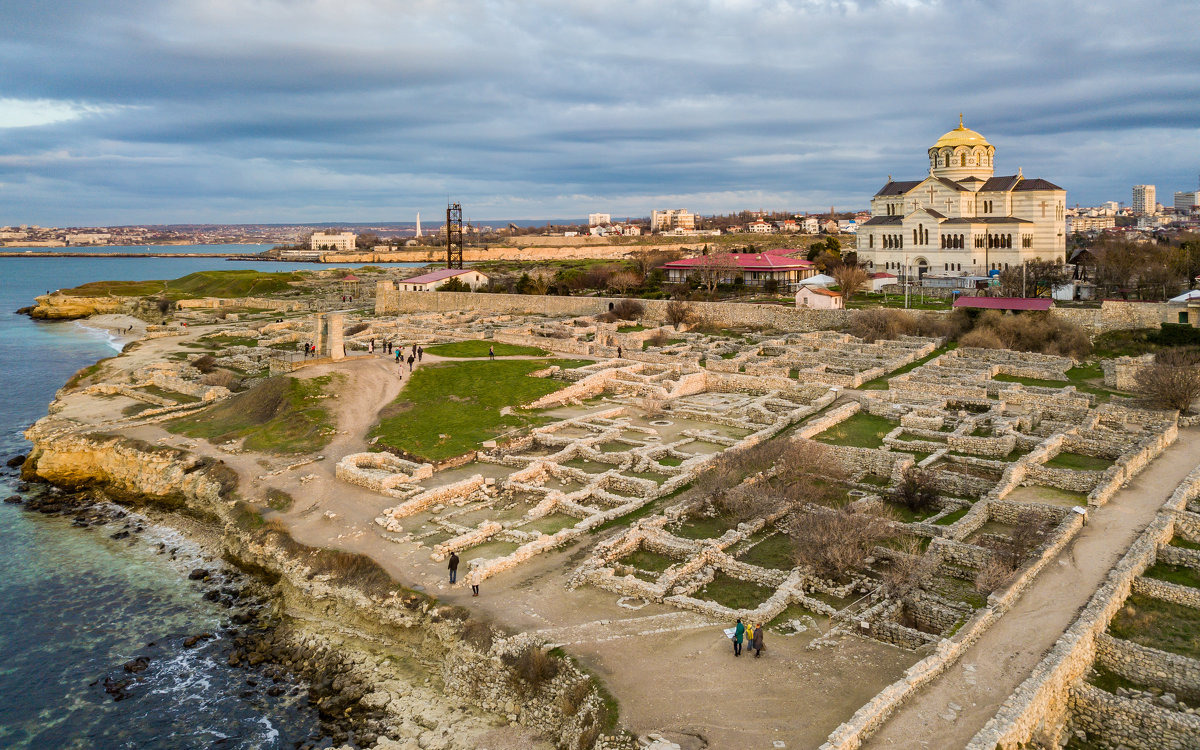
[951, 709]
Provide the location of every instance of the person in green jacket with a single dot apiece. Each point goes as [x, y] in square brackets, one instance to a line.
[738, 633]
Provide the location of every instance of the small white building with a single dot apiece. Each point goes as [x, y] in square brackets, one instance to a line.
[879, 280]
[340, 242]
[819, 298]
[430, 282]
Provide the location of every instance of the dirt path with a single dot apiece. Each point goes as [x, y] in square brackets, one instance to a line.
[948, 712]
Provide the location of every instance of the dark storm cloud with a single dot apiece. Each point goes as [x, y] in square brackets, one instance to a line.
[366, 109]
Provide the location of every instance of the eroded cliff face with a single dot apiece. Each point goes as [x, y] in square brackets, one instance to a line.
[66, 307]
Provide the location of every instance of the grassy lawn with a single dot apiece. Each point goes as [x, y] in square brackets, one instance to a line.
[278, 415]
[950, 518]
[733, 593]
[670, 461]
[878, 299]
[1076, 376]
[1158, 624]
[648, 560]
[479, 348]
[1079, 462]
[906, 515]
[461, 400]
[648, 509]
[861, 430]
[1030, 381]
[631, 329]
[773, 552]
[1179, 541]
[881, 384]
[551, 524]
[1180, 574]
[234, 340]
[702, 527]
[200, 284]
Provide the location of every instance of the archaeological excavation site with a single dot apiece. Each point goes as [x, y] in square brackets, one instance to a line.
[944, 545]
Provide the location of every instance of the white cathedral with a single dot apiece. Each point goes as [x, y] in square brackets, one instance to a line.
[961, 219]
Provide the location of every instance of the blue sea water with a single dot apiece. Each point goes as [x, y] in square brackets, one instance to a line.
[74, 604]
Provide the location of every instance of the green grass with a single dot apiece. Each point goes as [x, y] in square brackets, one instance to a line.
[1179, 541]
[862, 430]
[918, 456]
[277, 415]
[950, 518]
[461, 400]
[278, 500]
[670, 461]
[703, 527]
[773, 552]
[648, 560]
[1051, 494]
[878, 299]
[479, 348]
[1158, 624]
[551, 524]
[631, 329]
[571, 364]
[1030, 381]
[1180, 574]
[135, 409]
[881, 383]
[182, 398]
[1076, 376]
[1107, 680]
[648, 509]
[1079, 462]
[246, 283]
[733, 593]
[227, 341]
[905, 514]
[84, 373]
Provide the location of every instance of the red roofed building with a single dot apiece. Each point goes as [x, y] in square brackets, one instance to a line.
[819, 298]
[753, 269]
[1018, 304]
[429, 282]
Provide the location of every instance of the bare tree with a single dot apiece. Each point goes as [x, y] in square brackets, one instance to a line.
[1172, 381]
[719, 268]
[917, 490]
[910, 568]
[679, 313]
[623, 281]
[1035, 278]
[850, 280]
[833, 543]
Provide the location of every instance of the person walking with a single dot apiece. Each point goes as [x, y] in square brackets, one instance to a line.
[474, 578]
[491, 353]
[453, 566]
[618, 352]
[410, 361]
[758, 640]
[738, 633]
[420, 352]
[397, 356]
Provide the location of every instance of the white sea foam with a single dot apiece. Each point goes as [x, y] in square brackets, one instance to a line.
[111, 339]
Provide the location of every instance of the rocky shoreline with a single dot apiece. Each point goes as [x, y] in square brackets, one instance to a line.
[384, 667]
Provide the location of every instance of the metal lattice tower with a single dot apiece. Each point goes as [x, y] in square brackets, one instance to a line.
[454, 236]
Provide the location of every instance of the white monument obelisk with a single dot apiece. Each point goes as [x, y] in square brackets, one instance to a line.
[418, 223]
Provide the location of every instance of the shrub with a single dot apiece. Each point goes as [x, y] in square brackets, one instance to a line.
[454, 284]
[992, 576]
[1172, 381]
[629, 309]
[910, 569]
[573, 698]
[981, 338]
[205, 363]
[1030, 332]
[533, 666]
[917, 490]
[876, 323]
[833, 543]
[223, 378]
[479, 634]
[679, 313]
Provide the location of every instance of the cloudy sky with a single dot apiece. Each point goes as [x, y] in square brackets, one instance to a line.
[162, 111]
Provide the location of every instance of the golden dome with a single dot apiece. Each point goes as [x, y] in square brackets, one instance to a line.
[961, 136]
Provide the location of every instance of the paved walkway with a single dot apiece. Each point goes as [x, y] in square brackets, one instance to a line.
[948, 712]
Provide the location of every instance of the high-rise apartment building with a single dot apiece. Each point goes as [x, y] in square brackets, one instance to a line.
[596, 220]
[675, 218]
[1143, 200]
[1187, 202]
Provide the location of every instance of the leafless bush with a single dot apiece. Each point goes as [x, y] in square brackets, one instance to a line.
[629, 309]
[850, 280]
[1030, 332]
[479, 634]
[679, 313]
[917, 490]
[1029, 532]
[223, 378]
[981, 338]
[875, 323]
[833, 543]
[533, 666]
[992, 576]
[1172, 381]
[622, 281]
[205, 363]
[573, 698]
[910, 569]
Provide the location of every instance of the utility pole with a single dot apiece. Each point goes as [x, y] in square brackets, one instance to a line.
[1023, 292]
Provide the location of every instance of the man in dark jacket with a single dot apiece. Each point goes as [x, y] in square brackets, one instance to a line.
[453, 566]
[757, 642]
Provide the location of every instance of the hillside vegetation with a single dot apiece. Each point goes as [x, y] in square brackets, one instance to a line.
[238, 283]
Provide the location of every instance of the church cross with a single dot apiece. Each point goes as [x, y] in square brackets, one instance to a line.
[931, 195]
[1043, 205]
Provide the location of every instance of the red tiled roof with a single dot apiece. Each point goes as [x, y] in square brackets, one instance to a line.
[444, 273]
[823, 290]
[743, 260]
[1004, 303]
[882, 275]
[350, 277]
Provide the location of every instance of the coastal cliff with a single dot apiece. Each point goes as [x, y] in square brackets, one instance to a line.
[394, 668]
[68, 307]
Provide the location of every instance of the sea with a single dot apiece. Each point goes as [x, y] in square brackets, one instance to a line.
[75, 604]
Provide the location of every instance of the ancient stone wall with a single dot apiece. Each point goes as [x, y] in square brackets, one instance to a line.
[1174, 673]
[1137, 725]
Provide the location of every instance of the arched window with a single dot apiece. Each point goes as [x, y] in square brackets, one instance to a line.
[962, 160]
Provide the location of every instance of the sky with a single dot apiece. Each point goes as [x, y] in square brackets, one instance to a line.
[252, 111]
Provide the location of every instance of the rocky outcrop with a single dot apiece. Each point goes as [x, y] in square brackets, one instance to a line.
[64, 307]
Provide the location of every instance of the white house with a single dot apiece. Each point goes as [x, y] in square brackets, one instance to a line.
[818, 298]
[340, 242]
[430, 282]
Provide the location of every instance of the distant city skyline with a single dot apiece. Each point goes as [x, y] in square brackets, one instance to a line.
[171, 112]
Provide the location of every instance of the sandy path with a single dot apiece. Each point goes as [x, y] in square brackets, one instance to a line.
[1006, 654]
